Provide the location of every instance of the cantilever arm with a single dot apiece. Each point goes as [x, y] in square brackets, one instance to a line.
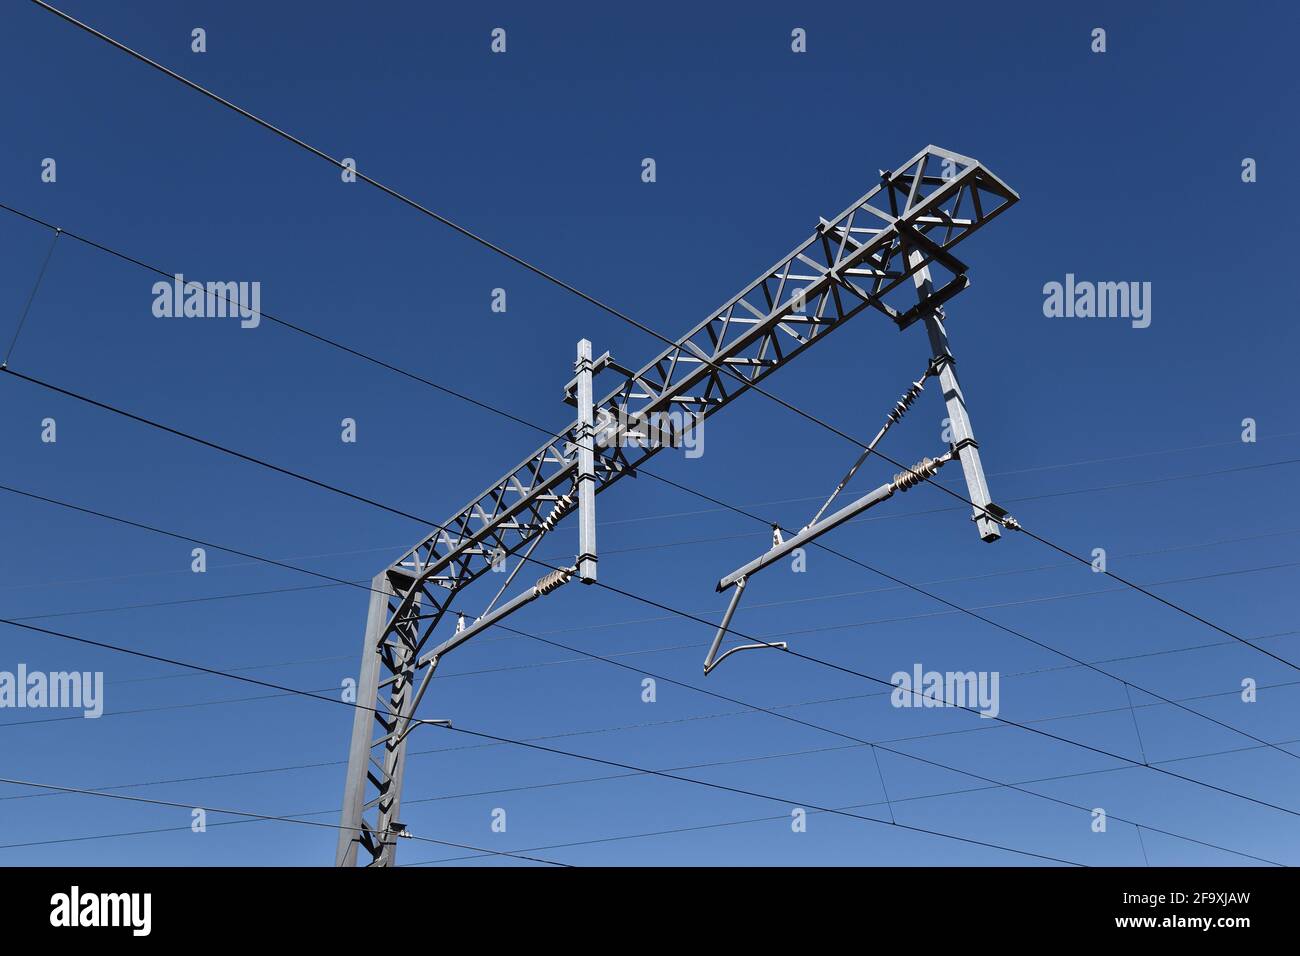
[902, 481]
[737, 579]
[545, 585]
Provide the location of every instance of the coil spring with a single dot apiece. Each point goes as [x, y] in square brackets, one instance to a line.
[922, 470]
[904, 403]
[562, 507]
[551, 580]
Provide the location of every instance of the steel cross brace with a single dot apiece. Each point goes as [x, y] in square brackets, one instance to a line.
[857, 260]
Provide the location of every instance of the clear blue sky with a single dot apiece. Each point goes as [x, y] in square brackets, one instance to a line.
[1094, 433]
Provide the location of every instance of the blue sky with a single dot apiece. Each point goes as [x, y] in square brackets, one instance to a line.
[1094, 433]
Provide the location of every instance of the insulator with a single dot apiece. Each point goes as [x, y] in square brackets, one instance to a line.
[922, 470]
[904, 403]
[562, 507]
[552, 580]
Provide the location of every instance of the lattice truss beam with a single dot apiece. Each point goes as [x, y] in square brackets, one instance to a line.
[904, 229]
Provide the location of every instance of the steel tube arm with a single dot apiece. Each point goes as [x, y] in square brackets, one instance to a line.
[776, 553]
[545, 586]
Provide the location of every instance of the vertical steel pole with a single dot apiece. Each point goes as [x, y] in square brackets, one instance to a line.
[963, 437]
[363, 723]
[377, 755]
[401, 707]
[586, 479]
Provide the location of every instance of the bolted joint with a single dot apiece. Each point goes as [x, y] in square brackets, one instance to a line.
[999, 515]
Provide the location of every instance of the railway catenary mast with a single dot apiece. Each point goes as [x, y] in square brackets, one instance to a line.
[895, 241]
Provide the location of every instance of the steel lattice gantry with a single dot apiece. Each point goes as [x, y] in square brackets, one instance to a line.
[904, 229]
